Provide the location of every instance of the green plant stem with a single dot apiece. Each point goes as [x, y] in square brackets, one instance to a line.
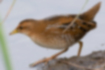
[3, 43]
[4, 49]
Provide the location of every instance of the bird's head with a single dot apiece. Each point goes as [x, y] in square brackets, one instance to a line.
[25, 27]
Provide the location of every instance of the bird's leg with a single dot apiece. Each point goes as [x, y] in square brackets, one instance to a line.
[80, 48]
[48, 59]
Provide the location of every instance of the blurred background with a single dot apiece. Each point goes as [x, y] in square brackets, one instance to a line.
[23, 51]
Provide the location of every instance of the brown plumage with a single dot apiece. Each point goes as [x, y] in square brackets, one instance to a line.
[49, 32]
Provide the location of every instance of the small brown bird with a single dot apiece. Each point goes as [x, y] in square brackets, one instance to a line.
[50, 32]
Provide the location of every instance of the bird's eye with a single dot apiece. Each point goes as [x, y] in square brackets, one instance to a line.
[21, 27]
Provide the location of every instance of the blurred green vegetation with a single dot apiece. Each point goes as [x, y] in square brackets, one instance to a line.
[4, 49]
[3, 43]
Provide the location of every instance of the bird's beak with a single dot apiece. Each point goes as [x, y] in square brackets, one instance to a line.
[14, 32]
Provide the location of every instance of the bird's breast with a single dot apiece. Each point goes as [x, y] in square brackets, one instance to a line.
[54, 42]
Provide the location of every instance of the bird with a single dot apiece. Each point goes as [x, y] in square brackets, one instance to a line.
[49, 32]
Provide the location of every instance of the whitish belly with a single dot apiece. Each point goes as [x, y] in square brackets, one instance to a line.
[58, 42]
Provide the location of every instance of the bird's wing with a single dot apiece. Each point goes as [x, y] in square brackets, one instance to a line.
[59, 22]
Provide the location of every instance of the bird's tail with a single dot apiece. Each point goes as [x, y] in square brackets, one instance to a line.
[90, 14]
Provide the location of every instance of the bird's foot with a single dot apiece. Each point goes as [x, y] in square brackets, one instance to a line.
[45, 60]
